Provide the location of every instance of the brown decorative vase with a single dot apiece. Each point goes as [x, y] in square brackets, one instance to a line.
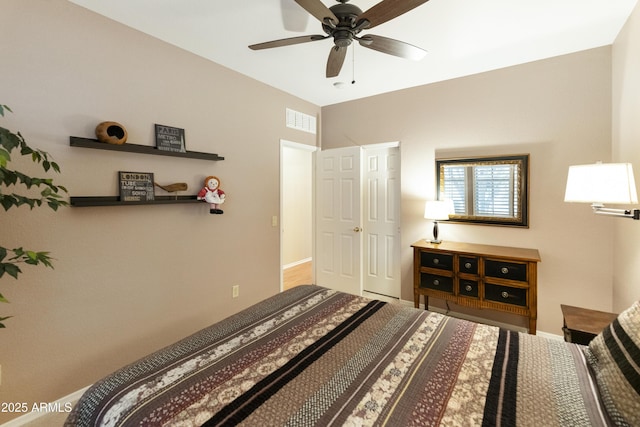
[111, 133]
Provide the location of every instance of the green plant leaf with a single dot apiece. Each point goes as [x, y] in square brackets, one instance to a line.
[18, 252]
[9, 177]
[11, 269]
[2, 319]
[45, 259]
[49, 194]
[5, 157]
[8, 139]
[7, 202]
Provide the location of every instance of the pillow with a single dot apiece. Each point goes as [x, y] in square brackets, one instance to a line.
[614, 356]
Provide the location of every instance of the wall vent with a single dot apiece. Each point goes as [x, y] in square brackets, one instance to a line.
[301, 121]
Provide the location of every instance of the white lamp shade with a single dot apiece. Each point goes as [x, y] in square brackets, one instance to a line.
[438, 210]
[601, 183]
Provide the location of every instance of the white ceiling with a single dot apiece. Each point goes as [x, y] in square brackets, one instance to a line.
[462, 37]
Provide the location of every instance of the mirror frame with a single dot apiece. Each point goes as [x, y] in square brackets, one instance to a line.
[521, 220]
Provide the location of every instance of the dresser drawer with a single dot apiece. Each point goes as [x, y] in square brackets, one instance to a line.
[468, 265]
[468, 288]
[505, 294]
[438, 283]
[506, 270]
[436, 260]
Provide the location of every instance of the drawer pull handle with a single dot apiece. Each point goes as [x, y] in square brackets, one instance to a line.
[467, 265]
[436, 282]
[436, 261]
[504, 270]
[505, 294]
[468, 288]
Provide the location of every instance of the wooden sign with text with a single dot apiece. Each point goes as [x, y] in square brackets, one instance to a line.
[170, 139]
[136, 186]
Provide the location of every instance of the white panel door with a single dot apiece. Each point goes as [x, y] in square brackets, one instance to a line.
[338, 227]
[381, 250]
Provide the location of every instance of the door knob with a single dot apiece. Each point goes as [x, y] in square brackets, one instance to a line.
[357, 229]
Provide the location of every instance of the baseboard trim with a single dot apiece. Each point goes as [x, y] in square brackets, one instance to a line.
[293, 264]
[35, 415]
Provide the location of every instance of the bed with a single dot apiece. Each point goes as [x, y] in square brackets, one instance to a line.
[312, 356]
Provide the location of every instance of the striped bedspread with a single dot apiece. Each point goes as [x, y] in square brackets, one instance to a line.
[316, 357]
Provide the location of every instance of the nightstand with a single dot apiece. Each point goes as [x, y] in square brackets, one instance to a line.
[581, 325]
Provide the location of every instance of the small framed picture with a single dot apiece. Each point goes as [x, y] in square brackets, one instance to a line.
[136, 186]
[170, 139]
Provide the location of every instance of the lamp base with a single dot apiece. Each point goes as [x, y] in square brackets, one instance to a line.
[434, 241]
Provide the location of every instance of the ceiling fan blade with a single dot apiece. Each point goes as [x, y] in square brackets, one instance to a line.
[335, 61]
[294, 18]
[392, 47]
[386, 10]
[319, 10]
[286, 42]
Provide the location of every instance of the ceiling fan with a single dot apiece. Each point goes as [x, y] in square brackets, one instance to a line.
[345, 21]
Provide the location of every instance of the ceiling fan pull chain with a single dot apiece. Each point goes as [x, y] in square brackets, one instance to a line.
[353, 65]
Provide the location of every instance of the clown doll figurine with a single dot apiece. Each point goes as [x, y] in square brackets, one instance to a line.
[212, 194]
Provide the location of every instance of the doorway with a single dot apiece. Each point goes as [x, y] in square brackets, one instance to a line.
[296, 214]
[357, 219]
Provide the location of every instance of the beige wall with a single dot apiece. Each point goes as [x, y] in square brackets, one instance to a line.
[626, 148]
[64, 70]
[558, 110]
[297, 204]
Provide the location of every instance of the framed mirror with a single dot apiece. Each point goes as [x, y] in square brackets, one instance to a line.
[486, 190]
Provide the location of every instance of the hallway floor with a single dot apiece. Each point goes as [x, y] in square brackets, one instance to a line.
[297, 275]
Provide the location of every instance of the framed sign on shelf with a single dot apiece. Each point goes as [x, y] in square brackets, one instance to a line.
[170, 139]
[136, 186]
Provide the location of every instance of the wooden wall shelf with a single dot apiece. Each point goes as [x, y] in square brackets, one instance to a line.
[81, 202]
[87, 201]
[75, 141]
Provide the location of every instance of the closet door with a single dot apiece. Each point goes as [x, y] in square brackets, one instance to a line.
[381, 223]
[338, 219]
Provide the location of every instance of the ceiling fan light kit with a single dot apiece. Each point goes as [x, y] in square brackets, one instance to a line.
[343, 22]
